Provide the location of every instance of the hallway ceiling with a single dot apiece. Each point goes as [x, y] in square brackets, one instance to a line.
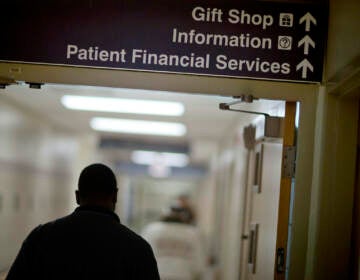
[206, 123]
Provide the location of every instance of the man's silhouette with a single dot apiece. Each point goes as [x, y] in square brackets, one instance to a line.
[90, 243]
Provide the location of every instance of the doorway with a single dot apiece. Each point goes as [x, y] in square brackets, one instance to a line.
[39, 123]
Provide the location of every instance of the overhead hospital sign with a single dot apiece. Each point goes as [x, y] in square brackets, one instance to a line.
[241, 39]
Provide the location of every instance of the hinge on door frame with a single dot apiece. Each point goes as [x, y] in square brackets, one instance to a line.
[288, 165]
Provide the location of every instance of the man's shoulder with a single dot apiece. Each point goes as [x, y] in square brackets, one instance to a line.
[137, 239]
[43, 228]
[50, 224]
[114, 232]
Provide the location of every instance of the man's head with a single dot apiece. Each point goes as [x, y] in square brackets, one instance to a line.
[97, 187]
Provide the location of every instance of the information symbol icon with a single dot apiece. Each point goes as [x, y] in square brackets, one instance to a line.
[284, 42]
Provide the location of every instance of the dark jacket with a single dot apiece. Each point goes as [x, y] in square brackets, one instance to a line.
[90, 243]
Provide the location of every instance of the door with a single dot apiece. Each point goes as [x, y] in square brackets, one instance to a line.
[263, 219]
[267, 206]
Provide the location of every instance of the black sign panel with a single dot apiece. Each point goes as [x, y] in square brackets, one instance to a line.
[257, 39]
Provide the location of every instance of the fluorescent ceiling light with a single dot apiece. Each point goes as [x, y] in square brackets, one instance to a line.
[138, 127]
[121, 105]
[160, 158]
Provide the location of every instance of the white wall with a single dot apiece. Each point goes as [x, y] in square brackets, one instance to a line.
[329, 244]
[220, 207]
[343, 40]
[36, 175]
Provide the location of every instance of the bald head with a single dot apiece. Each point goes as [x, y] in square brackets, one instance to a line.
[97, 186]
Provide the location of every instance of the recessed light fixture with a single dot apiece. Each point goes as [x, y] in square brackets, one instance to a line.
[138, 126]
[121, 105]
[162, 158]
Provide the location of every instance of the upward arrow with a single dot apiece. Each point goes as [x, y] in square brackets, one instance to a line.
[306, 41]
[308, 18]
[304, 65]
